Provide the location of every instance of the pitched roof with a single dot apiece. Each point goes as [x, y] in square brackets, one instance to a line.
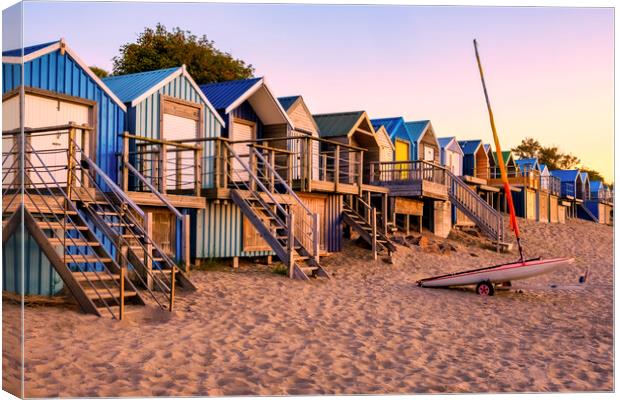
[585, 176]
[337, 124]
[288, 101]
[506, 155]
[595, 186]
[39, 50]
[566, 175]
[390, 124]
[27, 50]
[416, 128]
[223, 94]
[444, 141]
[129, 87]
[470, 146]
[543, 167]
[528, 163]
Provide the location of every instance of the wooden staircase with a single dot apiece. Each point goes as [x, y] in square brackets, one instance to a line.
[488, 220]
[273, 208]
[362, 218]
[91, 237]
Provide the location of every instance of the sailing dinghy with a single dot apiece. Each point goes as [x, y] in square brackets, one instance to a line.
[484, 278]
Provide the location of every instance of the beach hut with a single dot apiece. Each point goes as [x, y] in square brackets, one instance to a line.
[165, 106]
[451, 155]
[250, 112]
[571, 190]
[404, 144]
[59, 88]
[550, 185]
[386, 147]
[317, 193]
[352, 129]
[600, 203]
[475, 161]
[426, 146]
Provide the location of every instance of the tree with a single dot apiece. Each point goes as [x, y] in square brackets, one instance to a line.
[593, 174]
[529, 148]
[100, 72]
[158, 48]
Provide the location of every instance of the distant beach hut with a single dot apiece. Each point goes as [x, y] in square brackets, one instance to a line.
[451, 155]
[426, 146]
[386, 147]
[404, 144]
[571, 190]
[475, 161]
[600, 202]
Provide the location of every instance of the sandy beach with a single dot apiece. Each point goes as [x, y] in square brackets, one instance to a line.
[370, 329]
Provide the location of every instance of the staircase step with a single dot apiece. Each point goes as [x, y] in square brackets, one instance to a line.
[59, 225]
[117, 224]
[95, 276]
[48, 211]
[113, 293]
[79, 259]
[72, 242]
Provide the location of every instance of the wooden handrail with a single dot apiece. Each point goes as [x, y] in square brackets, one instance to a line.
[175, 143]
[64, 127]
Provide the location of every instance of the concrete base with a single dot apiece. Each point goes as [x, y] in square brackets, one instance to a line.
[442, 216]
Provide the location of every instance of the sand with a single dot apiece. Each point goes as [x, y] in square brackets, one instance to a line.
[370, 329]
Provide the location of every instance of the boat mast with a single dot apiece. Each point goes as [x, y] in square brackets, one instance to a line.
[500, 159]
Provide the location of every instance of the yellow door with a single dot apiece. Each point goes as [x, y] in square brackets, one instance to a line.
[402, 154]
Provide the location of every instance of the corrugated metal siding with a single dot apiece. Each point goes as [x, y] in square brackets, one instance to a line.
[219, 232]
[38, 275]
[333, 219]
[144, 120]
[61, 74]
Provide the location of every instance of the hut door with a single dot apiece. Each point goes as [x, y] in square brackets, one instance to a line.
[241, 130]
[429, 154]
[252, 240]
[180, 121]
[402, 154]
[43, 112]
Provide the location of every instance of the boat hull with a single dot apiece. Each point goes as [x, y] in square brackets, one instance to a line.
[502, 273]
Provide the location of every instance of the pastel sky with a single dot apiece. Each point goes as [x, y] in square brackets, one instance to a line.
[550, 71]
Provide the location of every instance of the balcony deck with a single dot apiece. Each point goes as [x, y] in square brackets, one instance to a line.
[418, 179]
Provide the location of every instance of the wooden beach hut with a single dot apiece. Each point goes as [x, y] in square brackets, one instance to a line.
[451, 155]
[425, 144]
[168, 118]
[386, 147]
[475, 162]
[571, 191]
[59, 89]
[74, 123]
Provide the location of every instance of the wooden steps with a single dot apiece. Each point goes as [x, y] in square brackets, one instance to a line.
[364, 228]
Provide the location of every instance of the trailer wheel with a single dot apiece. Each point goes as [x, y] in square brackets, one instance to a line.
[485, 288]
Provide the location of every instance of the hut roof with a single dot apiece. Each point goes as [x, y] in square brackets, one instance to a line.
[585, 177]
[223, 94]
[129, 87]
[470, 146]
[447, 141]
[528, 164]
[506, 156]
[287, 101]
[226, 96]
[337, 124]
[566, 175]
[395, 127]
[595, 186]
[14, 56]
[417, 128]
[134, 88]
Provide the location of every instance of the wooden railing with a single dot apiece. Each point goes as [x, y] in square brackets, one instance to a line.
[550, 184]
[403, 171]
[527, 178]
[170, 166]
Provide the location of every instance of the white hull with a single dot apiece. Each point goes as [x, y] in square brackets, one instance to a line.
[501, 273]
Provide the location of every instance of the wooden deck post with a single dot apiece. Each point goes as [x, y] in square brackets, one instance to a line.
[324, 175]
[162, 168]
[337, 167]
[309, 166]
[316, 236]
[198, 171]
[217, 167]
[125, 175]
[360, 171]
[373, 223]
[85, 152]
[121, 300]
[384, 212]
[70, 161]
[252, 162]
[172, 287]
[272, 177]
[186, 239]
[148, 249]
[290, 245]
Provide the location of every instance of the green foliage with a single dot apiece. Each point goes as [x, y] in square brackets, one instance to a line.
[280, 269]
[100, 72]
[552, 156]
[158, 48]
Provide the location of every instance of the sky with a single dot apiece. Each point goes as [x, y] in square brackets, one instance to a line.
[549, 71]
